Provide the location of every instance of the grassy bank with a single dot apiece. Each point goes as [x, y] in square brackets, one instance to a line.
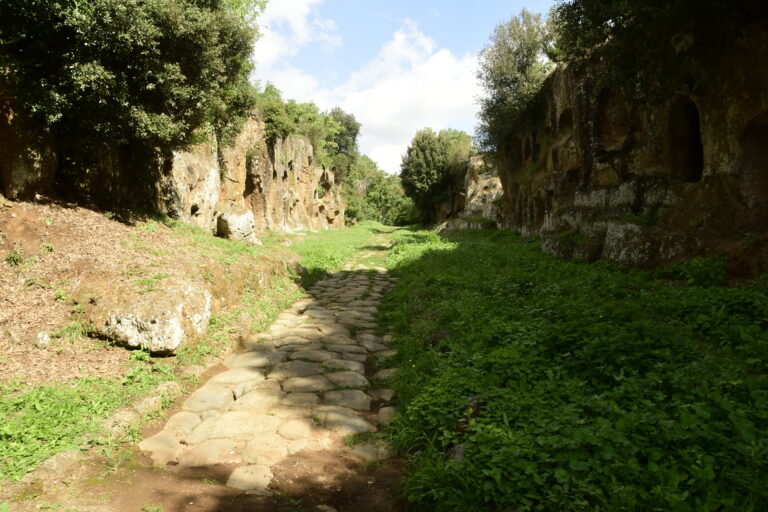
[41, 420]
[531, 383]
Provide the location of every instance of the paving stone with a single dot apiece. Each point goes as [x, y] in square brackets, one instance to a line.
[311, 384]
[313, 355]
[385, 354]
[243, 425]
[386, 414]
[348, 379]
[294, 369]
[163, 447]
[338, 340]
[387, 338]
[354, 357]
[384, 394]
[209, 453]
[352, 398]
[342, 420]
[209, 397]
[258, 400]
[369, 452]
[267, 449]
[237, 375]
[346, 348]
[290, 413]
[297, 429]
[301, 399]
[373, 346]
[183, 422]
[291, 339]
[315, 345]
[343, 364]
[242, 388]
[310, 334]
[202, 432]
[255, 359]
[335, 329]
[253, 479]
[385, 374]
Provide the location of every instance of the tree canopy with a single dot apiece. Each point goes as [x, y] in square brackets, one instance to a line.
[430, 163]
[512, 69]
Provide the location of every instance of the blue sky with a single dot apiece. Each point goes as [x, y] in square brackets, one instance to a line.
[398, 65]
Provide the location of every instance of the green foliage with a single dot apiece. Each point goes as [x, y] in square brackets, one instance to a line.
[327, 251]
[44, 420]
[15, 257]
[432, 164]
[531, 383]
[103, 74]
[372, 194]
[652, 44]
[512, 69]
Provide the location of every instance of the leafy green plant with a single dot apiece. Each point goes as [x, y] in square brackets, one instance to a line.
[15, 257]
[149, 284]
[531, 383]
[47, 247]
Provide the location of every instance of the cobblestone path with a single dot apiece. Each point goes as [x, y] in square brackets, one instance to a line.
[318, 376]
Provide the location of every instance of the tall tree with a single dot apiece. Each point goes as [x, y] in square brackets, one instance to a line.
[431, 164]
[512, 68]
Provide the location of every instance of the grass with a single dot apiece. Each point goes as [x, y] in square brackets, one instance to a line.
[45, 420]
[149, 284]
[328, 251]
[532, 383]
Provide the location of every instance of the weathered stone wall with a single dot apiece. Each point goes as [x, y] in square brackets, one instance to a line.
[251, 186]
[601, 175]
[476, 201]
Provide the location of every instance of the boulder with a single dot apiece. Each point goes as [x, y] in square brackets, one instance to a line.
[237, 226]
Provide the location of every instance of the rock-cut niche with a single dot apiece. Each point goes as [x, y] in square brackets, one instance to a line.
[686, 151]
[754, 163]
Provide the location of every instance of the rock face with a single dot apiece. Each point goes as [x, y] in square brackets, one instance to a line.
[477, 203]
[27, 158]
[159, 322]
[249, 186]
[646, 182]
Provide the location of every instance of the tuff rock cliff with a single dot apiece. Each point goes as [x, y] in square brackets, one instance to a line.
[603, 174]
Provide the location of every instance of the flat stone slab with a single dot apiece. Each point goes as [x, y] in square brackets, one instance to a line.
[209, 397]
[354, 357]
[346, 348]
[209, 453]
[313, 355]
[301, 399]
[295, 369]
[386, 414]
[183, 422]
[237, 375]
[258, 400]
[311, 384]
[255, 359]
[348, 380]
[267, 449]
[252, 479]
[343, 364]
[163, 448]
[373, 346]
[342, 420]
[352, 398]
[243, 425]
[297, 429]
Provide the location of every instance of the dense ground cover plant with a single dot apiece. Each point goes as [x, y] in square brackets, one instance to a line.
[531, 383]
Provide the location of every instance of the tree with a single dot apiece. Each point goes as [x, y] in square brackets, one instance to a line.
[512, 69]
[138, 74]
[653, 45]
[372, 194]
[431, 165]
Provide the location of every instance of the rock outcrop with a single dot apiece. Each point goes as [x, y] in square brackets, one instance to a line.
[603, 175]
[251, 185]
[28, 158]
[476, 203]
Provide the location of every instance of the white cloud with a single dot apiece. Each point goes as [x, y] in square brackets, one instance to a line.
[286, 27]
[410, 84]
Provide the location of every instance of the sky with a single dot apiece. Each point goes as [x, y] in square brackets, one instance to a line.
[397, 65]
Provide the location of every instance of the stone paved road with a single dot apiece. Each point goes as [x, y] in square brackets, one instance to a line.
[315, 378]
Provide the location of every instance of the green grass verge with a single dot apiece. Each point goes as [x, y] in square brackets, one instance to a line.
[42, 421]
[532, 383]
[325, 252]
